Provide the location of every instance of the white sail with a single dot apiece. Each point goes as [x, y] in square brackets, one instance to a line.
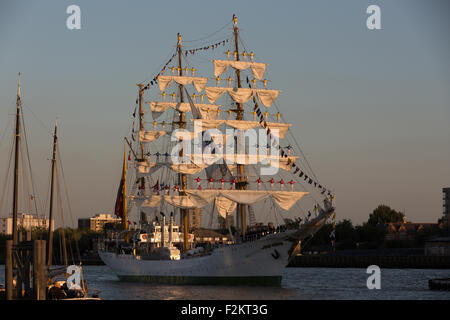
[149, 136]
[224, 206]
[208, 111]
[198, 82]
[277, 129]
[148, 168]
[258, 68]
[182, 202]
[285, 199]
[152, 201]
[242, 95]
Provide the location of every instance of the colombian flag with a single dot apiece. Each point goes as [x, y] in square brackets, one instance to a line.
[120, 209]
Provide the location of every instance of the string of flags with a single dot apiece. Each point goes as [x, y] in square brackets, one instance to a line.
[211, 46]
[297, 170]
[154, 81]
[333, 234]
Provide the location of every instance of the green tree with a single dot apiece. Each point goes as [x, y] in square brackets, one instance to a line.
[384, 214]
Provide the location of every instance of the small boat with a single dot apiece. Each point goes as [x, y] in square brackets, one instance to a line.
[23, 279]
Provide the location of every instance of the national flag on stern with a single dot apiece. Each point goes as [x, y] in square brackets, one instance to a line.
[120, 209]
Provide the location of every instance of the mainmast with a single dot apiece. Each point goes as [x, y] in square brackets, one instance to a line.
[181, 123]
[239, 116]
[50, 216]
[16, 166]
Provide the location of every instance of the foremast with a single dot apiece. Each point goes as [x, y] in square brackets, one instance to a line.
[239, 116]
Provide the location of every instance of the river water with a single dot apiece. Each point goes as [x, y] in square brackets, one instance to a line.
[297, 284]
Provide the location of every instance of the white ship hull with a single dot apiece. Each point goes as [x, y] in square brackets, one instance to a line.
[256, 262]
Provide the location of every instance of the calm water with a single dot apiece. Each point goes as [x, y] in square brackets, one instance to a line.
[298, 284]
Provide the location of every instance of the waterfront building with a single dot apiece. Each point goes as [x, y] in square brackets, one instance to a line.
[28, 221]
[405, 230]
[207, 236]
[97, 222]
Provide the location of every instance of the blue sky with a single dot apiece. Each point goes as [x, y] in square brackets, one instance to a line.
[371, 109]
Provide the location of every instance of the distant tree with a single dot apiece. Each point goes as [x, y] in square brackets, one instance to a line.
[384, 214]
[370, 234]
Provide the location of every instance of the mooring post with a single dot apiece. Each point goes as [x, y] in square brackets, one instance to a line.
[39, 270]
[18, 264]
[36, 256]
[29, 263]
[9, 271]
[43, 271]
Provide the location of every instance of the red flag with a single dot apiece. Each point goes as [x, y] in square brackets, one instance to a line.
[119, 208]
[156, 186]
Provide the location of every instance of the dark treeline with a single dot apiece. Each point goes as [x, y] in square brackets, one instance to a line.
[371, 234]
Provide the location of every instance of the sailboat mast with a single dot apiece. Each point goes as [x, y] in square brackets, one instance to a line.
[239, 116]
[181, 123]
[16, 165]
[50, 216]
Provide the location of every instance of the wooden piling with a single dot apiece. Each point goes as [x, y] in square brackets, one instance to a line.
[9, 271]
[43, 270]
[39, 274]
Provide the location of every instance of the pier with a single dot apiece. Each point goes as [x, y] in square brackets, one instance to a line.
[25, 272]
[355, 261]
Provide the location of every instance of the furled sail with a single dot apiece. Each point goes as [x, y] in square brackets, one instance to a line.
[149, 136]
[284, 199]
[202, 161]
[224, 200]
[152, 201]
[277, 129]
[149, 168]
[198, 82]
[208, 111]
[258, 68]
[182, 202]
[224, 206]
[242, 95]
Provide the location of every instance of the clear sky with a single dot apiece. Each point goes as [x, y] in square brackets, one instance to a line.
[371, 108]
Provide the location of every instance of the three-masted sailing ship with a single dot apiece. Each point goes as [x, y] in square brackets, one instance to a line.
[239, 183]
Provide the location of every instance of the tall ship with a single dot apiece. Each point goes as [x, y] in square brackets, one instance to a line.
[215, 148]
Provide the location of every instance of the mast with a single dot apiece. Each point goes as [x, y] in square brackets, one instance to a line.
[141, 117]
[142, 216]
[239, 116]
[181, 124]
[51, 223]
[16, 165]
[124, 190]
